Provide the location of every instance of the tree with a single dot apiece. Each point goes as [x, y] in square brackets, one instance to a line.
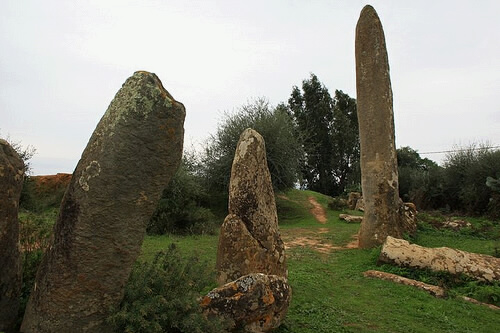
[329, 127]
[283, 146]
[345, 142]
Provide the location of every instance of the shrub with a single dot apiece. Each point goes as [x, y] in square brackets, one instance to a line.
[181, 206]
[465, 176]
[420, 180]
[161, 296]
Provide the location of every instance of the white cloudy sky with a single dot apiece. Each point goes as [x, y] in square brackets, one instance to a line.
[61, 63]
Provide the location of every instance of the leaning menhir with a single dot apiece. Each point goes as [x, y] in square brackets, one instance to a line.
[384, 210]
[11, 184]
[130, 158]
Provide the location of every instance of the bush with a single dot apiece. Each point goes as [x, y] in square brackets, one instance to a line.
[181, 208]
[161, 296]
[465, 177]
[420, 180]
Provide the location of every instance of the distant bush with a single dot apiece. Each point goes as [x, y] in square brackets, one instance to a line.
[161, 296]
[465, 180]
[420, 180]
[182, 207]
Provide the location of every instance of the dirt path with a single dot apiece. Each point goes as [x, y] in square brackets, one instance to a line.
[315, 239]
[318, 211]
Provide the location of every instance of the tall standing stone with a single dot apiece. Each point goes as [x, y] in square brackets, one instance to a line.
[11, 183]
[249, 240]
[130, 158]
[379, 170]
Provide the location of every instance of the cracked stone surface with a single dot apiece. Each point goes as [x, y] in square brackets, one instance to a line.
[478, 266]
[11, 184]
[249, 240]
[129, 160]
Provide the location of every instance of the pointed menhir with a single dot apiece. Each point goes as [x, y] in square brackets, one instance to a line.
[249, 240]
[379, 172]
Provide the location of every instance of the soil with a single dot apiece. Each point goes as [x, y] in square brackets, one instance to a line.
[301, 237]
[317, 210]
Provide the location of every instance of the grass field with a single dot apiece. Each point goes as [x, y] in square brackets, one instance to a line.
[330, 293]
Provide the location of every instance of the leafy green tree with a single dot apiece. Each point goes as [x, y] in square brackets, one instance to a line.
[283, 146]
[347, 170]
[329, 127]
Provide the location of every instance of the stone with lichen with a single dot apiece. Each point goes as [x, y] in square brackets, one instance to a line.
[478, 266]
[11, 184]
[253, 303]
[249, 240]
[130, 158]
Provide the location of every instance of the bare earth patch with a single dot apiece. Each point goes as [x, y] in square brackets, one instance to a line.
[301, 237]
[317, 211]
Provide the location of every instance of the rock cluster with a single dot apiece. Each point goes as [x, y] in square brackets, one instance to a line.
[352, 199]
[130, 158]
[11, 184]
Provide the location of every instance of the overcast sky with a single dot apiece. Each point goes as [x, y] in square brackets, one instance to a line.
[62, 62]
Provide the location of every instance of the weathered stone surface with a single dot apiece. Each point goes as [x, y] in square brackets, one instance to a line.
[11, 184]
[379, 170]
[249, 240]
[254, 302]
[352, 199]
[128, 161]
[351, 218]
[478, 266]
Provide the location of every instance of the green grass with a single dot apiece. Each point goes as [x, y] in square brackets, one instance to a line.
[330, 293]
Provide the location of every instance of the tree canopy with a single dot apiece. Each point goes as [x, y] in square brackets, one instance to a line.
[329, 128]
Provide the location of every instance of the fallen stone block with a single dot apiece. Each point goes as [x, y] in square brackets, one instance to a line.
[478, 266]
